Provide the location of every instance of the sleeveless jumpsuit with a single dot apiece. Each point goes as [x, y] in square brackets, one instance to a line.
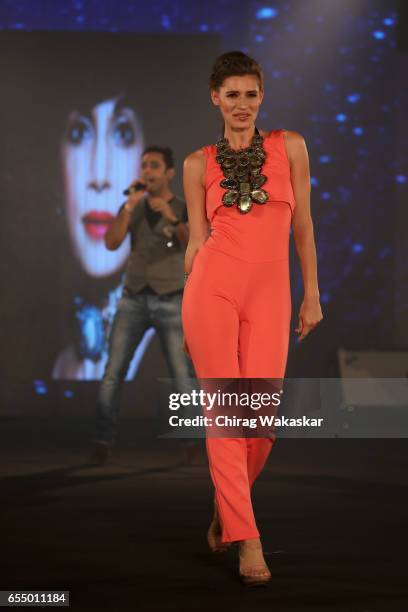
[236, 314]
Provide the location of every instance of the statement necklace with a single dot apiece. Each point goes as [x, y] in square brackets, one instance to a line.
[242, 172]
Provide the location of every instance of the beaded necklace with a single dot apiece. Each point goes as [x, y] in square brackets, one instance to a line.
[242, 171]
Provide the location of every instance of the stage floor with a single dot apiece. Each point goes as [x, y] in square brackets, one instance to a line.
[132, 535]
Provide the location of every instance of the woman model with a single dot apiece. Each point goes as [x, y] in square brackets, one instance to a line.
[251, 186]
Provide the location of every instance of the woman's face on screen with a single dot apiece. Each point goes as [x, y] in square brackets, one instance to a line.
[101, 154]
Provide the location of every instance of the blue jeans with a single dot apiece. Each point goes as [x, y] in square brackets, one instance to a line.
[134, 315]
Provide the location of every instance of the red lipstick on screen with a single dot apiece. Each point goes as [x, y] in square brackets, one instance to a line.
[96, 223]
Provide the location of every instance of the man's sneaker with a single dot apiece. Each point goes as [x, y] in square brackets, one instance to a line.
[100, 453]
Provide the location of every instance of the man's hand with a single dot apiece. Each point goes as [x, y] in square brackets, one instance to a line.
[134, 198]
[162, 206]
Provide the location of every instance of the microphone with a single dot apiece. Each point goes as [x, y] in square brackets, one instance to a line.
[138, 186]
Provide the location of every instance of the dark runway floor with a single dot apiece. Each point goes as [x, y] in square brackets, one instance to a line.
[131, 535]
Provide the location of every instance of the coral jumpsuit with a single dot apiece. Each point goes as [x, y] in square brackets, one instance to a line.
[236, 315]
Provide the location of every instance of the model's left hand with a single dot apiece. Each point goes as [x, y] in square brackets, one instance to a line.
[310, 315]
[160, 205]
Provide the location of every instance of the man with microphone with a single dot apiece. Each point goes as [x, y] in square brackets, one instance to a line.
[156, 220]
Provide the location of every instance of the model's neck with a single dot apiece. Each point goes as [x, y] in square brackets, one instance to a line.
[239, 138]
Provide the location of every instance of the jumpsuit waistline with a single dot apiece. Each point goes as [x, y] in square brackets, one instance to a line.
[257, 261]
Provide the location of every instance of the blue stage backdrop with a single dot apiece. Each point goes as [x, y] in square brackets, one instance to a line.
[332, 73]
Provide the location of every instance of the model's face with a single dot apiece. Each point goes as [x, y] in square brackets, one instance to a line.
[239, 99]
[155, 174]
[101, 157]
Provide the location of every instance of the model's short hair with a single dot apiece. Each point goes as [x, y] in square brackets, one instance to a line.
[234, 63]
[166, 152]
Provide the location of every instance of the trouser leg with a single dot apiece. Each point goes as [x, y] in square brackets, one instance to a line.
[165, 311]
[227, 459]
[214, 291]
[166, 317]
[258, 450]
[129, 325]
[264, 340]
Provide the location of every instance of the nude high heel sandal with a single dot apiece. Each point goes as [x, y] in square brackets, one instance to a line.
[254, 575]
[214, 534]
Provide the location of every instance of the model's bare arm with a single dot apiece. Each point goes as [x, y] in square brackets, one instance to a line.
[303, 233]
[194, 192]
